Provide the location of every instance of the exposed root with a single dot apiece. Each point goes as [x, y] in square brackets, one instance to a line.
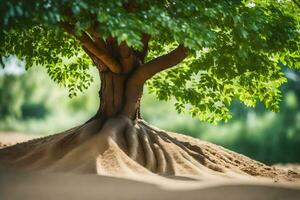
[150, 162]
[120, 147]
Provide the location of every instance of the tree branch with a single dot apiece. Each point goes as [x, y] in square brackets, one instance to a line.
[146, 71]
[86, 41]
[145, 40]
[96, 36]
[99, 64]
[135, 83]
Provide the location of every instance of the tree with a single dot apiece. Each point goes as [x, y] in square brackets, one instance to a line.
[222, 49]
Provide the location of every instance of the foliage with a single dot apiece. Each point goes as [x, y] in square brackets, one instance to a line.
[234, 46]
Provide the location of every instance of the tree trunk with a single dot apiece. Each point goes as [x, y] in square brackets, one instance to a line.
[122, 71]
[122, 85]
[117, 97]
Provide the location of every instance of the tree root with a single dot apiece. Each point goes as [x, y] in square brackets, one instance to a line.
[122, 146]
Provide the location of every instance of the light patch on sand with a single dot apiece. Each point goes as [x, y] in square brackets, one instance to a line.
[11, 138]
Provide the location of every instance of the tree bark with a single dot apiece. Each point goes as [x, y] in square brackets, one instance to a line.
[120, 93]
[112, 94]
[122, 70]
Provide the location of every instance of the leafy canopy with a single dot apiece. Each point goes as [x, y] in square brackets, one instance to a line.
[236, 47]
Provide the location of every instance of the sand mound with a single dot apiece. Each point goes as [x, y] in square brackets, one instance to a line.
[123, 148]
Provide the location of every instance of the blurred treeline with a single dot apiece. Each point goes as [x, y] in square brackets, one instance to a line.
[31, 103]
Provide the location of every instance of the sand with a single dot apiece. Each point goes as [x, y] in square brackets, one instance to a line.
[12, 138]
[83, 163]
[37, 186]
[122, 147]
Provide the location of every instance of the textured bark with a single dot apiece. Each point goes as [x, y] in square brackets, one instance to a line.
[120, 93]
[94, 48]
[114, 89]
[112, 96]
[122, 70]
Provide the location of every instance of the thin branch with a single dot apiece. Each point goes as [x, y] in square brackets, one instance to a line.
[145, 40]
[132, 6]
[87, 42]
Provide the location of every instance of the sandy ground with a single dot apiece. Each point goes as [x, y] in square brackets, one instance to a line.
[38, 185]
[11, 138]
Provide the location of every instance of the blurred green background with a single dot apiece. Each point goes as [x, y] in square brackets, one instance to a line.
[32, 103]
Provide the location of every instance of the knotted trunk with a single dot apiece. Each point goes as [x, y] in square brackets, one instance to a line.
[123, 71]
[121, 77]
[117, 97]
